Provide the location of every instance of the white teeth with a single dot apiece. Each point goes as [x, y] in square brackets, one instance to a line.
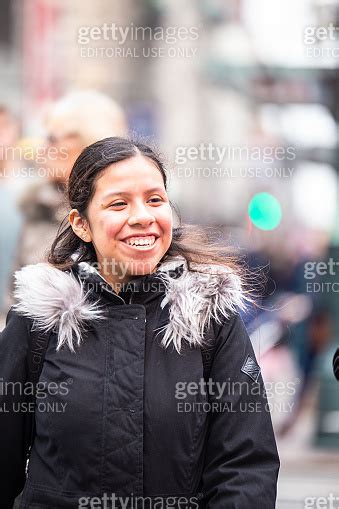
[141, 241]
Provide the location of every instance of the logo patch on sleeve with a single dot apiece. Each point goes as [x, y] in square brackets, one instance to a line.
[251, 368]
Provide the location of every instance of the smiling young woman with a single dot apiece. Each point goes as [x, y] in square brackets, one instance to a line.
[128, 219]
[137, 316]
[118, 189]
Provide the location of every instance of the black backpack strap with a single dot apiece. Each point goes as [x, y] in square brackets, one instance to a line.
[208, 351]
[336, 364]
[38, 342]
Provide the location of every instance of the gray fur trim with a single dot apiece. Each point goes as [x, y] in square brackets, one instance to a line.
[53, 298]
[195, 299]
[56, 300]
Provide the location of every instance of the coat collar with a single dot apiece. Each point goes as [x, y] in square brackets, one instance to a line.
[61, 301]
[139, 284]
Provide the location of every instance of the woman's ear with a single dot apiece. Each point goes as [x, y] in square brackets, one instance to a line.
[79, 225]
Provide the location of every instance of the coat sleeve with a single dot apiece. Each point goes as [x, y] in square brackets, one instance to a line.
[13, 415]
[241, 461]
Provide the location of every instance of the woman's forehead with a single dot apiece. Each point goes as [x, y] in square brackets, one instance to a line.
[130, 174]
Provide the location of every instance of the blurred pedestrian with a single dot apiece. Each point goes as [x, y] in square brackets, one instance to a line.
[11, 219]
[75, 121]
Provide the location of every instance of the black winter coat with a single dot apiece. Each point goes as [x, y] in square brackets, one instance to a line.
[122, 420]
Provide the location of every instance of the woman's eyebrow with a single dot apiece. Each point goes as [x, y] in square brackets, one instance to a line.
[126, 193]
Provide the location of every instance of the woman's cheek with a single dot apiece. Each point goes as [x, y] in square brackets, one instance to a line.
[110, 229]
[166, 228]
[165, 217]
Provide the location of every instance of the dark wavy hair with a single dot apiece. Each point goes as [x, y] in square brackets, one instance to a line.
[194, 243]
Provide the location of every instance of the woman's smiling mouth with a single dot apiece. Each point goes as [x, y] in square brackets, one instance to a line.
[141, 243]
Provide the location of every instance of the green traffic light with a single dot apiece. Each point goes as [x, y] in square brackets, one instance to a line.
[264, 211]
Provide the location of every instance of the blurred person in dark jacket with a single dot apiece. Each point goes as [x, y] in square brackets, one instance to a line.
[11, 220]
[75, 121]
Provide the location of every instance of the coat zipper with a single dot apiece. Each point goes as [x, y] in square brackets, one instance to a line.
[130, 302]
[115, 294]
[130, 299]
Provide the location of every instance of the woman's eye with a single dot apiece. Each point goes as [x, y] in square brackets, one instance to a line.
[118, 204]
[122, 203]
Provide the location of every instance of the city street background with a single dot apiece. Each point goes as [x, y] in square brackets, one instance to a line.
[242, 99]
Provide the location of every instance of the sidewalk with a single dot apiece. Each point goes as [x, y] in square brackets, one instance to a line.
[311, 474]
[307, 471]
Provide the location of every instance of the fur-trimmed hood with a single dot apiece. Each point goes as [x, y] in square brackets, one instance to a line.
[57, 300]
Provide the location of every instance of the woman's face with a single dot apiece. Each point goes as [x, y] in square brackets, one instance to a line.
[129, 220]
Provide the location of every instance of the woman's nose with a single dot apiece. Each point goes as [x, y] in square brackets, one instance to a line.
[141, 216]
